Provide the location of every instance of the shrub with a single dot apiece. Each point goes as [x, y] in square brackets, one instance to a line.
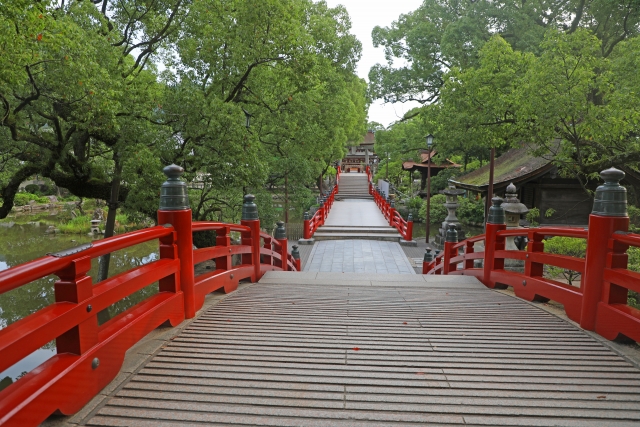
[22, 199]
[565, 246]
[437, 212]
[471, 211]
[32, 188]
[413, 206]
[634, 264]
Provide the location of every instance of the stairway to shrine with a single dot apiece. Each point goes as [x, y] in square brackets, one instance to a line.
[356, 219]
[354, 186]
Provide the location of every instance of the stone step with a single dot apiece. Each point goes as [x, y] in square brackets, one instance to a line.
[355, 196]
[351, 236]
[356, 230]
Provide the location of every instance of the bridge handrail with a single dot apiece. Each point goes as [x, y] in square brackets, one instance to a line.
[218, 226]
[318, 219]
[404, 227]
[598, 304]
[578, 233]
[90, 354]
[28, 272]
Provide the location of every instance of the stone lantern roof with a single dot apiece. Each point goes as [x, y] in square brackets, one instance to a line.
[511, 203]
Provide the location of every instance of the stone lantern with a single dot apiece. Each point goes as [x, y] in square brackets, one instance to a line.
[451, 204]
[513, 209]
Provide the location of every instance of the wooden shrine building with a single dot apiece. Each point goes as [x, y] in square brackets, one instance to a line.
[423, 167]
[538, 186]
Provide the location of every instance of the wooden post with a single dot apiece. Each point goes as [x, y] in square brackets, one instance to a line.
[490, 189]
[409, 235]
[295, 253]
[281, 237]
[495, 223]
[609, 215]
[223, 240]
[174, 210]
[252, 238]
[451, 239]
[75, 286]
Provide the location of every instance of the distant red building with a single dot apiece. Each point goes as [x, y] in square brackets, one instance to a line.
[361, 155]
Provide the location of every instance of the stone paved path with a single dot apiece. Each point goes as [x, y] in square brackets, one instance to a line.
[359, 213]
[358, 256]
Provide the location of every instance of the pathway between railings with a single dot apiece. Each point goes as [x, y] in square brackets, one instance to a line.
[345, 349]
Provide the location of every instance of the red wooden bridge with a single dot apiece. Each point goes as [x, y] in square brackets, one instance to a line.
[443, 348]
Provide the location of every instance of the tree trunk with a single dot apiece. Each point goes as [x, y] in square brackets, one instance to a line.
[109, 228]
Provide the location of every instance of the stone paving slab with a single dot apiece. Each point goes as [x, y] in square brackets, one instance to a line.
[358, 256]
[357, 279]
[360, 213]
[276, 354]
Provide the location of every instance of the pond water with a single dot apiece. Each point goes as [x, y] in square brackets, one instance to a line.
[24, 239]
[419, 230]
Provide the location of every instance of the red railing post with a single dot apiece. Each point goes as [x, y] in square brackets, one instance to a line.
[469, 248]
[252, 238]
[534, 269]
[495, 223]
[306, 227]
[427, 261]
[392, 214]
[223, 240]
[281, 237]
[75, 286]
[409, 233]
[322, 215]
[174, 210]
[609, 215]
[295, 253]
[268, 259]
[451, 239]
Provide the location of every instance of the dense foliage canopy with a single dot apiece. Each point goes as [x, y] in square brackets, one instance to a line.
[99, 95]
[558, 75]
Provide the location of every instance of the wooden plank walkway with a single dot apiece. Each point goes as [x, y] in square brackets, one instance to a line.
[435, 351]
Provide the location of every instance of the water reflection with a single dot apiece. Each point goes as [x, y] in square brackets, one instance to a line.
[20, 243]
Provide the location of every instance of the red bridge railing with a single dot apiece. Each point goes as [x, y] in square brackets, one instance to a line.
[404, 227]
[89, 355]
[311, 223]
[600, 302]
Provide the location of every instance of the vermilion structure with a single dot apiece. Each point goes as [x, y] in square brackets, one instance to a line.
[600, 302]
[404, 227]
[311, 223]
[89, 355]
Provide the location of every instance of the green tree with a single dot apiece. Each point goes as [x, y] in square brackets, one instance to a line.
[290, 65]
[553, 74]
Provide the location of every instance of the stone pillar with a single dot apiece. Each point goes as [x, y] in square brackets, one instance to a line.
[513, 211]
[452, 205]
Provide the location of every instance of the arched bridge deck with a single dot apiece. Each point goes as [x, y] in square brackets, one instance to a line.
[314, 349]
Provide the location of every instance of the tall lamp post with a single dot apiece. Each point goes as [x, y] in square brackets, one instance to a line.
[429, 145]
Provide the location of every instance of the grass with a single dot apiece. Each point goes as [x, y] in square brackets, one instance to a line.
[82, 225]
[77, 225]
